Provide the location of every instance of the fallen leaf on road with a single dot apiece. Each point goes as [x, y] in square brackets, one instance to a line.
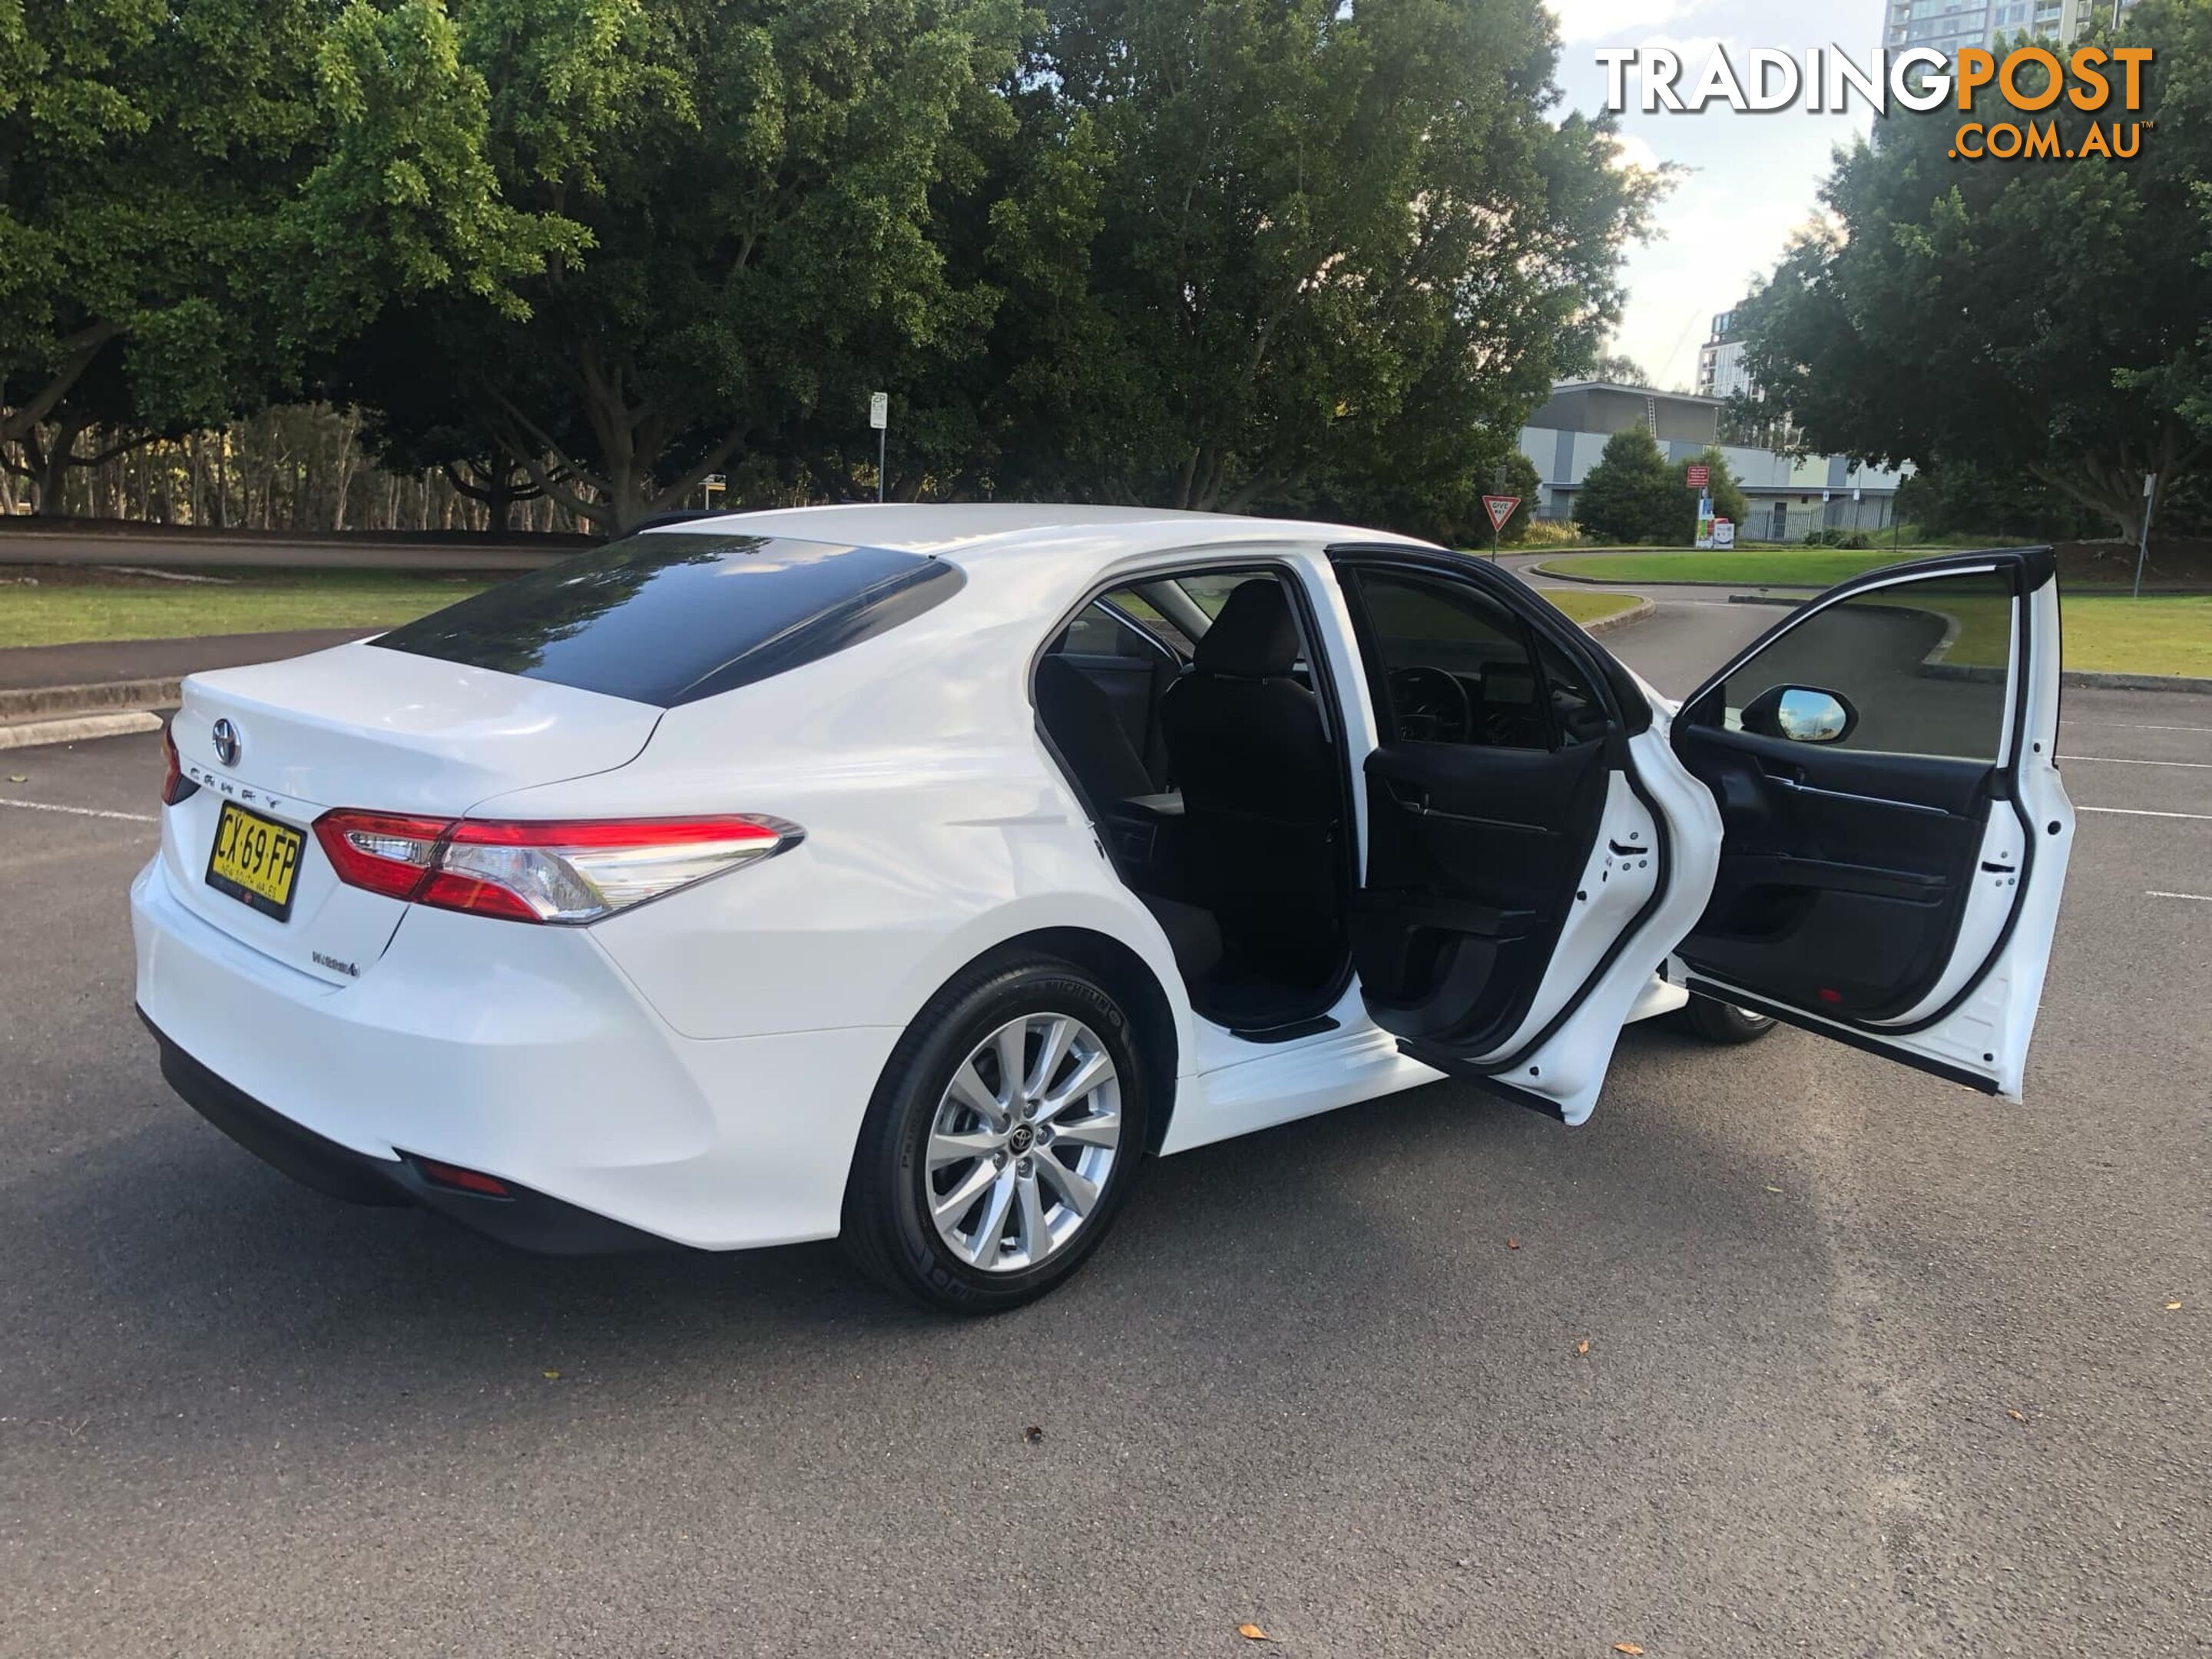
[552, 1376]
[1626, 1647]
[2174, 1307]
[1774, 1190]
[1033, 1434]
[2017, 1417]
[1583, 1346]
[1252, 1633]
[19, 777]
[1514, 1244]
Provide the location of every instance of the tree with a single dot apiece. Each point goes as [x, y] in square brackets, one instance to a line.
[196, 195]
[753, 185]
[2050, 316]
[1621, 369]
[1331, 252]
[1635, 494]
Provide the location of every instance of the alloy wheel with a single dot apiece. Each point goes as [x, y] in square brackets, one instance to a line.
[1022, 1142]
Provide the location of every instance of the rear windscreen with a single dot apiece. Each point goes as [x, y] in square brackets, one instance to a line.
[671, 617]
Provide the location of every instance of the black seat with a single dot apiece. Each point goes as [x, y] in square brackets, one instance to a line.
[1260, 787]
[1083, 726]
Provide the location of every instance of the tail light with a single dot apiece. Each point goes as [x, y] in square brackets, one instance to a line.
[175, 786]
[556, 872]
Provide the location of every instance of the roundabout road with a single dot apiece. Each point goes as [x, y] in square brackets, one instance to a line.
[1692, 631]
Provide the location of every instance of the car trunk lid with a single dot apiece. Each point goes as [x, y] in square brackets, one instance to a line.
[358, 727]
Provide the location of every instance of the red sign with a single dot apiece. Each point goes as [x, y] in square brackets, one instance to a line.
[1698, 477]
[1501, 509]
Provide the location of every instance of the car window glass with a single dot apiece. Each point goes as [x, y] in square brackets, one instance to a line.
[670, 617]
[1456, 665]
[1922, 665]
[1098, 632]
[1577, 715]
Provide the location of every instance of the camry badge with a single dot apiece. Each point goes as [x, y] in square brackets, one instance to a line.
[226, 743]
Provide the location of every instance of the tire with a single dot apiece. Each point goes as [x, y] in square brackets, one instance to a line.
[898, 1226]
[1723, 1022]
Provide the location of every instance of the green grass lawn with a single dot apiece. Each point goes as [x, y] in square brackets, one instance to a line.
[2107, 631]
[2113, 634]
[1588, 607]
[60, 612]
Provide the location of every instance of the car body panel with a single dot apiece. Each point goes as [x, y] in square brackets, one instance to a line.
[698, 1067]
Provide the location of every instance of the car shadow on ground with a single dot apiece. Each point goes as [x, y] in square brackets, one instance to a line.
[195, 1274]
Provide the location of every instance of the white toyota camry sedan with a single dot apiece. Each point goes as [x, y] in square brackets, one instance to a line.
[911, 874]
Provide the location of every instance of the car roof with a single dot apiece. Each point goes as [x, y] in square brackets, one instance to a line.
[978, 534]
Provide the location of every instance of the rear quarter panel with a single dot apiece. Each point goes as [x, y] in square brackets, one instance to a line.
[937, 828]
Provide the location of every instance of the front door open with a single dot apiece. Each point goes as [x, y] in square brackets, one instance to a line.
[1895, 831]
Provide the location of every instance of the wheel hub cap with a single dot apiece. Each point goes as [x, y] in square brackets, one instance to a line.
[1022, 1142]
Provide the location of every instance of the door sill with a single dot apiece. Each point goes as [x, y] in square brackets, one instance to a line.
[1287, 1033]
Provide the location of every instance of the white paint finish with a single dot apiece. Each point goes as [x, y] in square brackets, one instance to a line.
[361, 725]
[698, 1067]
[522, 1052]
[1569, 1068]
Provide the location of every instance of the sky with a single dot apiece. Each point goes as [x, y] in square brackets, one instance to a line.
[1753, 179]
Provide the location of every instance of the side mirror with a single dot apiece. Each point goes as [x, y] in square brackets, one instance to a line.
[1801, 713]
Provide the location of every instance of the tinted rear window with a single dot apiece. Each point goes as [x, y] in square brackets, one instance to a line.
[672, 617]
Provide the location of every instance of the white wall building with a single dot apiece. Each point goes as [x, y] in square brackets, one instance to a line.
[1788, 496]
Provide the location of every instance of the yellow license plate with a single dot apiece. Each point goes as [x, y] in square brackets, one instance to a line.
[255, 859]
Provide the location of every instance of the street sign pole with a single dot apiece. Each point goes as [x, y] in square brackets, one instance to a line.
[2142, 547]
[1501, 509]
[879, 417]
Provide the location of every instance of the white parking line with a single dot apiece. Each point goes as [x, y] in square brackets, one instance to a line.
[2137, 812]
[2114, 760]
[81, 812]
[2137, 726]
[2201, 898]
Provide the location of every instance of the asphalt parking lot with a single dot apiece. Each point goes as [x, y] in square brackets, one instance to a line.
[1875, 1365]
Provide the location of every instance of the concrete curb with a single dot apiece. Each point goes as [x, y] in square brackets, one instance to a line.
[2090, 679]
[58, 701]
[34, 734]
[1621, 619]
[1551, 574]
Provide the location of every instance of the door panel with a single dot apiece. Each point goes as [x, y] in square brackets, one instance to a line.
[1889, 874]
[1840, 885]
[1473, 859]
[1533, 847]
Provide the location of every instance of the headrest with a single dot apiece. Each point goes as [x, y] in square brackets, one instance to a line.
[1254, 637]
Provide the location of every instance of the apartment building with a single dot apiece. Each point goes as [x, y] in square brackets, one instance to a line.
[1947, 24]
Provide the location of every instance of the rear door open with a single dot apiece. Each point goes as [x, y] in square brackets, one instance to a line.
[1533, 849]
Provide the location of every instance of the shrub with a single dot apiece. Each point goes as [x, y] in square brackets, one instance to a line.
[1550, 533]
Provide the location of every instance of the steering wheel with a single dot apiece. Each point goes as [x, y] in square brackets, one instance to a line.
[1431, 706]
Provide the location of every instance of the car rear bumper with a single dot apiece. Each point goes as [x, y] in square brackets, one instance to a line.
[530, 1220]
[525, 1054]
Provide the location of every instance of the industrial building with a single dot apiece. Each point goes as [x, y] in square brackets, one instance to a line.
[1789, 496]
